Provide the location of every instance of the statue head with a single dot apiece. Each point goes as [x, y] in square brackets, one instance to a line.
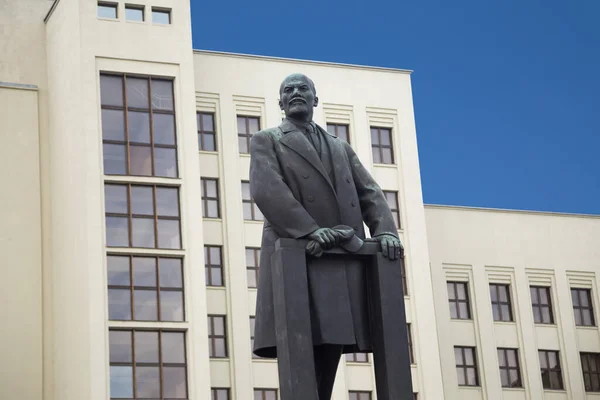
[298, 97]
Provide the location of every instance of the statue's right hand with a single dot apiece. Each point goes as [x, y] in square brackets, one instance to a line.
[326, 237]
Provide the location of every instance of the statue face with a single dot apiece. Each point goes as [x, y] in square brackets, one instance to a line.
[298, 97]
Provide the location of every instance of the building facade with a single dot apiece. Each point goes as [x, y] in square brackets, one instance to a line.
[131, 240]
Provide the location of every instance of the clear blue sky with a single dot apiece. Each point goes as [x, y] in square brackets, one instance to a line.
[506, 93]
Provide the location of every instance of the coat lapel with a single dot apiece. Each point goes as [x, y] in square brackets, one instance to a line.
[295, 140]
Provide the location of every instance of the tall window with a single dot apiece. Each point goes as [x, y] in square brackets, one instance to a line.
[510, 371]
[466, 366]
[251, 211]
[392, 200]
[265, 394]
[217, 336]
[357, 357]
[252, 328]
[161, 16]
[381, 143]
[339, 130]
[107, 10]
[206, 131]
[542, 305]
[210, 198]
[252, 263]
[144, 288]
[134, 13]
[219, 394]
[247, 126]
[501, 307]
[411, 353]
[138, 126]
[359, 395]
[142, 216]
[590, 364]
[213, 266]
[550, 369]
[583, 307]
[458, 297]
[147, 364]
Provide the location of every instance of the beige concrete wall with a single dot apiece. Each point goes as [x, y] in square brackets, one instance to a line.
[520, 249]
[235, 84]
[20, 246]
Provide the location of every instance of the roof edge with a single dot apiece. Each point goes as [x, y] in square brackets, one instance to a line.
[310, 62]
[511, 211]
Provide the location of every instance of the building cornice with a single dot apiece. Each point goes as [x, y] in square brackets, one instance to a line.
[22, 86]
[307, 62]
[509, 211]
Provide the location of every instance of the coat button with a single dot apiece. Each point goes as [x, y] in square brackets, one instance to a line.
[311, 199]
[305, 175]
[347, 179]
[353, 203]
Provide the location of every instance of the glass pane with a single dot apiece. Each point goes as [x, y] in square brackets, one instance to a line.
[453, 310]
[217, 276]
[253, 124]
[493, 293]
[142, 201]
[546, 379]
[120, 346]
[584, 297]
[241, 125]
[115, 159]
[251, 277]
[496, 312]
[161, 17]
[118, 270]
[117, 232]
[212, 209]
[121, 382]
[575, 297]
[215, 255]
[115, 199]
[544, 296]
[556, 380]
[174, 382]
[546, 316]
[145, 305]
[170, 272]
[534, 295]
[258, 215]
[211, 188]
[461, 291]
[587, 317]
[458, 356]
[220, 347]
[207, 123]
[247, 208]
[144, 271]
[165, 162]
[552, 359]
[142, 232]
[137, 93]
[376, 155]
[469, 360]
[146, 347]
[167, 202]
[147, 381]
[134, 14]
[450, 287]
[111, 87]
[515, 381]
[460, 375]
[503, 289]
[386, 154]
[171, 306]
[173, 349]
[578, 317]
[164, 128]
[537, 315]
[386, 137]
[374, 136]
[209, 142]
[506, 313]
[271, 395]
[119, 304]
[139, 126]
[512, 358]
[243, 143]
[471, 377]
[250, 260]
[218, 326]
[140, 160]
[162, 94]
[501, 358]
[113, 125]
[463, 310]
[168, 234]
[542, 356]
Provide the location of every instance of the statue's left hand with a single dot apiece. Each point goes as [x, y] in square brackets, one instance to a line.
[391, 247]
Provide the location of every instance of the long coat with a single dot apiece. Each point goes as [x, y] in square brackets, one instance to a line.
[298, 193]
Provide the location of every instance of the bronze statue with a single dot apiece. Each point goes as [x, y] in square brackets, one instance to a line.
[306, 182]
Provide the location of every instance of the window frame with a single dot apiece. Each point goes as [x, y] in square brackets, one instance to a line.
[335, 126]
[205, 198]
[508, 368]
[264, 391]
[214, 393]
[212, 336]
[202, 132]
[247, 136]
[161, 10]
[579, 308]
[458, 301]
[360, 394]
[396, 209]
[254, 210]
[108, 4]
[411, 353]
[379, 146]
[357, 357]
[256, 268]
[151, 111]
[539, 306]
[138, 7]
[557, 370]
[587, 358]
[465, 367]
[209, 266]
[499, 303]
